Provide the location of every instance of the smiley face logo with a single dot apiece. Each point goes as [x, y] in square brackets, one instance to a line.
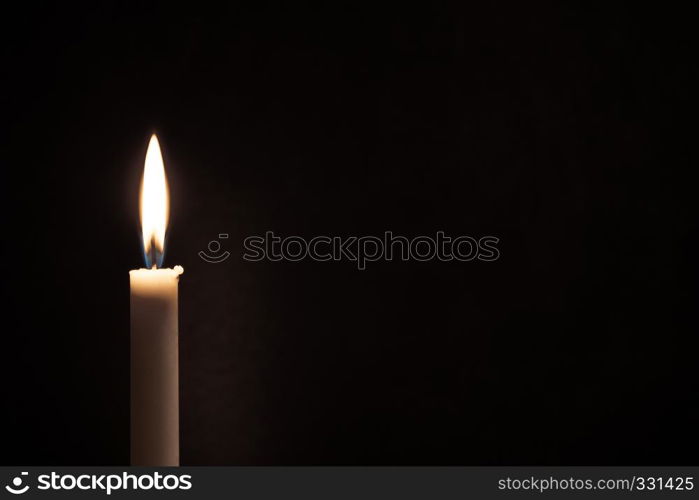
[214, 248]
[16, 488]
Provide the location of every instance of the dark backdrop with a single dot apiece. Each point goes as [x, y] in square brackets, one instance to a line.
[564, 131]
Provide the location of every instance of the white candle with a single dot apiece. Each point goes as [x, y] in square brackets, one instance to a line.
[154, 331]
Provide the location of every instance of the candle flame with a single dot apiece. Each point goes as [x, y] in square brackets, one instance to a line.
[154, 205]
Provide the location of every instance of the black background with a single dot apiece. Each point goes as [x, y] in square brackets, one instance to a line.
[564, 131]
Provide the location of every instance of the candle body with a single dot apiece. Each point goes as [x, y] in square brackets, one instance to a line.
[154, 367]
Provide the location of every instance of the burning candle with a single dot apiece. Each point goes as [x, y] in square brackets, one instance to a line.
[154, 333]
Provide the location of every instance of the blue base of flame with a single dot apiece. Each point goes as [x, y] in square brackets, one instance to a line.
[153, 257]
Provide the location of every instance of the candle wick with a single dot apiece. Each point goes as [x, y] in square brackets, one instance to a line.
[152, 256]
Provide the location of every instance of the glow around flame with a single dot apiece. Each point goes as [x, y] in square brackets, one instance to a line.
[154, 205]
